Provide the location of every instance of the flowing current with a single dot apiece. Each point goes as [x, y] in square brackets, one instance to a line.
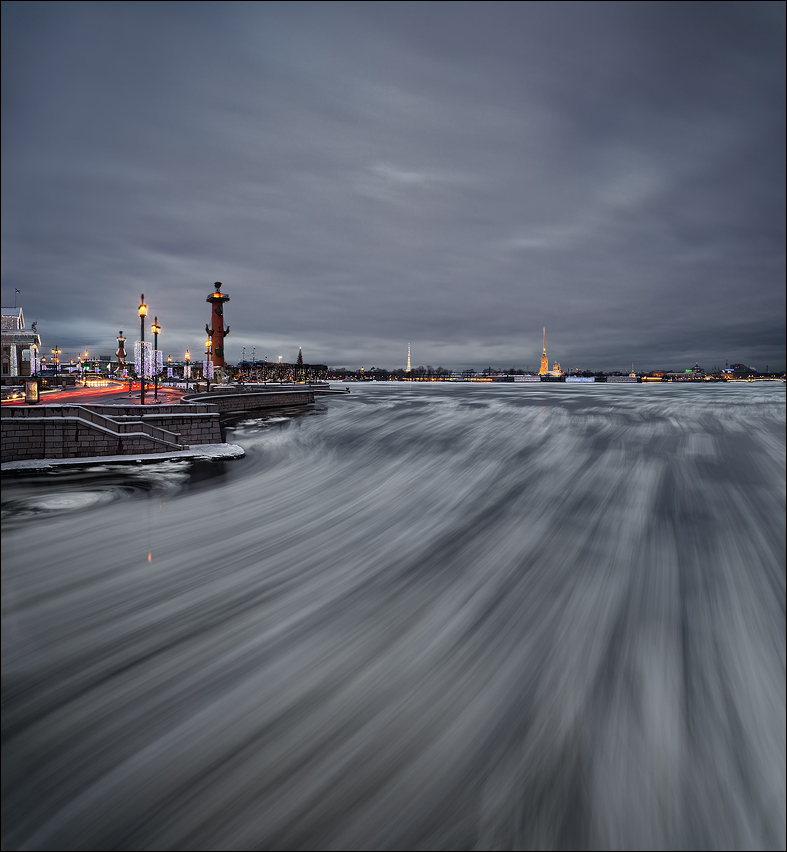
[418, 616]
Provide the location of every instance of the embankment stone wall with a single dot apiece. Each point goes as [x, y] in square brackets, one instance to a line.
[228, 403]
[36, 432]
[67, 438]
[193, 428]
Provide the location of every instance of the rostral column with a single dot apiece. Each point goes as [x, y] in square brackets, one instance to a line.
[216, 330]
[121, 353]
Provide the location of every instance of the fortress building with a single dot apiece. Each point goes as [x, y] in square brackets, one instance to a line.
[545, 371]
[544, 360]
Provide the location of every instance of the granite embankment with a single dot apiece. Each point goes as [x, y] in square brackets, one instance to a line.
[85, 431]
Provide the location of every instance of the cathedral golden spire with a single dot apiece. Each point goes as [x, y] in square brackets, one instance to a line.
[544, 360]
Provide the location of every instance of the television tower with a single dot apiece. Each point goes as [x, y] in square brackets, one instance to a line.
[408, 359]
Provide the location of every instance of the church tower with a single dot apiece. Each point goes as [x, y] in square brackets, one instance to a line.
[544, 360]
[408, 359]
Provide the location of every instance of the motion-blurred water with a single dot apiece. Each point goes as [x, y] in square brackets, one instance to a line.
[421, 616]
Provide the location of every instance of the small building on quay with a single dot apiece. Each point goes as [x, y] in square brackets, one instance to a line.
[20, 346]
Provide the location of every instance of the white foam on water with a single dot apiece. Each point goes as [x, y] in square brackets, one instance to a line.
[435, 617]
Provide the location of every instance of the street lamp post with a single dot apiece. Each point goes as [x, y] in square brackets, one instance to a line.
[56, 359]
[187, 369]
[143, 312]
[155, 328]
[208, 344]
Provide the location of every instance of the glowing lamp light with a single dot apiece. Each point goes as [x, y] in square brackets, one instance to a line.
[143, 308]
[31, 392]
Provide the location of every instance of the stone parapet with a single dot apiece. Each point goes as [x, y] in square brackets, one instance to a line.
[228, 402]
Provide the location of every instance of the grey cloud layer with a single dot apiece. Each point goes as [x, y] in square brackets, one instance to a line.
[360, 175]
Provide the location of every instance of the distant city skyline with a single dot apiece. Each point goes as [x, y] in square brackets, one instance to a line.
[363, 175]
[100, 351]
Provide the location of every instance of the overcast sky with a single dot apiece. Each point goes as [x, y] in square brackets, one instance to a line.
[361, 175]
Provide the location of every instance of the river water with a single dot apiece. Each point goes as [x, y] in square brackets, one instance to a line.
[418, 616]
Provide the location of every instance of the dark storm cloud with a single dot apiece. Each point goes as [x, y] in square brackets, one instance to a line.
[364, 175]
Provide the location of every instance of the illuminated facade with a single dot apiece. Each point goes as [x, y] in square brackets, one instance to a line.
[216, 331]
[408, 359]
[545, 371]
[544, 360]
[20, 345]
